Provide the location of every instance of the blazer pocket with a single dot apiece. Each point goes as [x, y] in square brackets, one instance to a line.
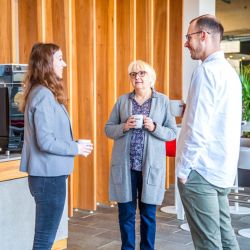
[154, 176]
[116, 174]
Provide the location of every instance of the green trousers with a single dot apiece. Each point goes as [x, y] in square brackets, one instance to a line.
[207, 212]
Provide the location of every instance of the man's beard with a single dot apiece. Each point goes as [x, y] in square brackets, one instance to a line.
[196, 54]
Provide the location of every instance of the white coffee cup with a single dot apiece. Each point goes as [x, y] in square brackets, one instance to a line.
[87, 143]
[139, 120]
[84, 141]
[176, 107]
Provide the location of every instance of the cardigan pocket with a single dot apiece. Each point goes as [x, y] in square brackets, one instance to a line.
[154, 176]
[116, 174]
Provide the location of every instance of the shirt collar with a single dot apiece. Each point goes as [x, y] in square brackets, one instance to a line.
[216, 55]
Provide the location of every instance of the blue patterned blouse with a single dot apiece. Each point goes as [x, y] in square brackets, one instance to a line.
[137, 139]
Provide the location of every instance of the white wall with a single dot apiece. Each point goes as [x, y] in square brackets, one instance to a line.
[192, 9]
[17, 216]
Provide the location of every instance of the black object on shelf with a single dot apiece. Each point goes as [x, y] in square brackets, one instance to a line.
[11, 119]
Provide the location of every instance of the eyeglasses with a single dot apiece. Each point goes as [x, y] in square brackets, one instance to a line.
[189, 36]
[140, 74]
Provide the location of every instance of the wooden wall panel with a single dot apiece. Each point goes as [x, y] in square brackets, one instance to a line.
[5, 32]
[161, 53]
[161, 45]
[143, 32]
[125, 37]
[40, 20]
[84, 174]
[99, 38]
[44, 20]
[48, 21]
[175, 62]
[58, 25]
[175, 49]
[104, 86]
[71, 59]
[27, 23]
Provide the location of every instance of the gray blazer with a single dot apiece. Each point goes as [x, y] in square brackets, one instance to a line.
[154, 168]
[49, 148]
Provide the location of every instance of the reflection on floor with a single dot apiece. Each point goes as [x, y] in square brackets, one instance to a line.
[100, 230]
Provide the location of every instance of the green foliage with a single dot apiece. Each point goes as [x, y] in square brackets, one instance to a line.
[245, 81]
[246, 134]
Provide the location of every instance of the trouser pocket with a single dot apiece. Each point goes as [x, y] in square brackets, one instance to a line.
[36, 185]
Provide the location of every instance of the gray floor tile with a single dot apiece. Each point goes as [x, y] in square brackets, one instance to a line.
[100, 230]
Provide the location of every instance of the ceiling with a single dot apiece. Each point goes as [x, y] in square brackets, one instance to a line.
[234, 15]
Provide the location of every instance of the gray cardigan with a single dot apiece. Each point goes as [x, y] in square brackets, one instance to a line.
[49, 148]
[154, 156]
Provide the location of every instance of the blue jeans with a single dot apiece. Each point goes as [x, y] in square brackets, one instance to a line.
[49, 194]
[127, 218]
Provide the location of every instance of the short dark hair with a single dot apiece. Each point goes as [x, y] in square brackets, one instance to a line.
[209, 23]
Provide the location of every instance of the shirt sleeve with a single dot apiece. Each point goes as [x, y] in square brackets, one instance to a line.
[196, 122]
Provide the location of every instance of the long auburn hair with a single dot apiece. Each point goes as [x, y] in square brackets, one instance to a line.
[41, 72]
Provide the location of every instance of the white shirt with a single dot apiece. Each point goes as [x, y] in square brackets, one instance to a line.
[209, 140]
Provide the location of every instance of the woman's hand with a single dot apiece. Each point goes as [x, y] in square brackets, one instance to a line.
[84, 148]
[131, 122]
[148, 124]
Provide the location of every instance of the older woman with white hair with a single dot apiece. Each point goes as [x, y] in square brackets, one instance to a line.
[138, 159]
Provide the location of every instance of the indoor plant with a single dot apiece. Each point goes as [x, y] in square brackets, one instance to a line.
[245, 81]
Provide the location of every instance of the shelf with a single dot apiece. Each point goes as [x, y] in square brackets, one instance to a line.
[10, 170]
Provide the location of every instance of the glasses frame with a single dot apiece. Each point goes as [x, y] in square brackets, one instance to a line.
[189, 36]
[140, 73]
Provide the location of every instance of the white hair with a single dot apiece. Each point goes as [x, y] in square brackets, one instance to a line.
[138, 65]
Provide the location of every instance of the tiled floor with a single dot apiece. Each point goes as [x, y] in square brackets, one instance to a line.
[100, 230]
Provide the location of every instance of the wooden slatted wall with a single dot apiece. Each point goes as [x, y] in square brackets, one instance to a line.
[99, 38]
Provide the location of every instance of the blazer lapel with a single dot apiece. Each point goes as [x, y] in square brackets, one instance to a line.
[66, 112]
